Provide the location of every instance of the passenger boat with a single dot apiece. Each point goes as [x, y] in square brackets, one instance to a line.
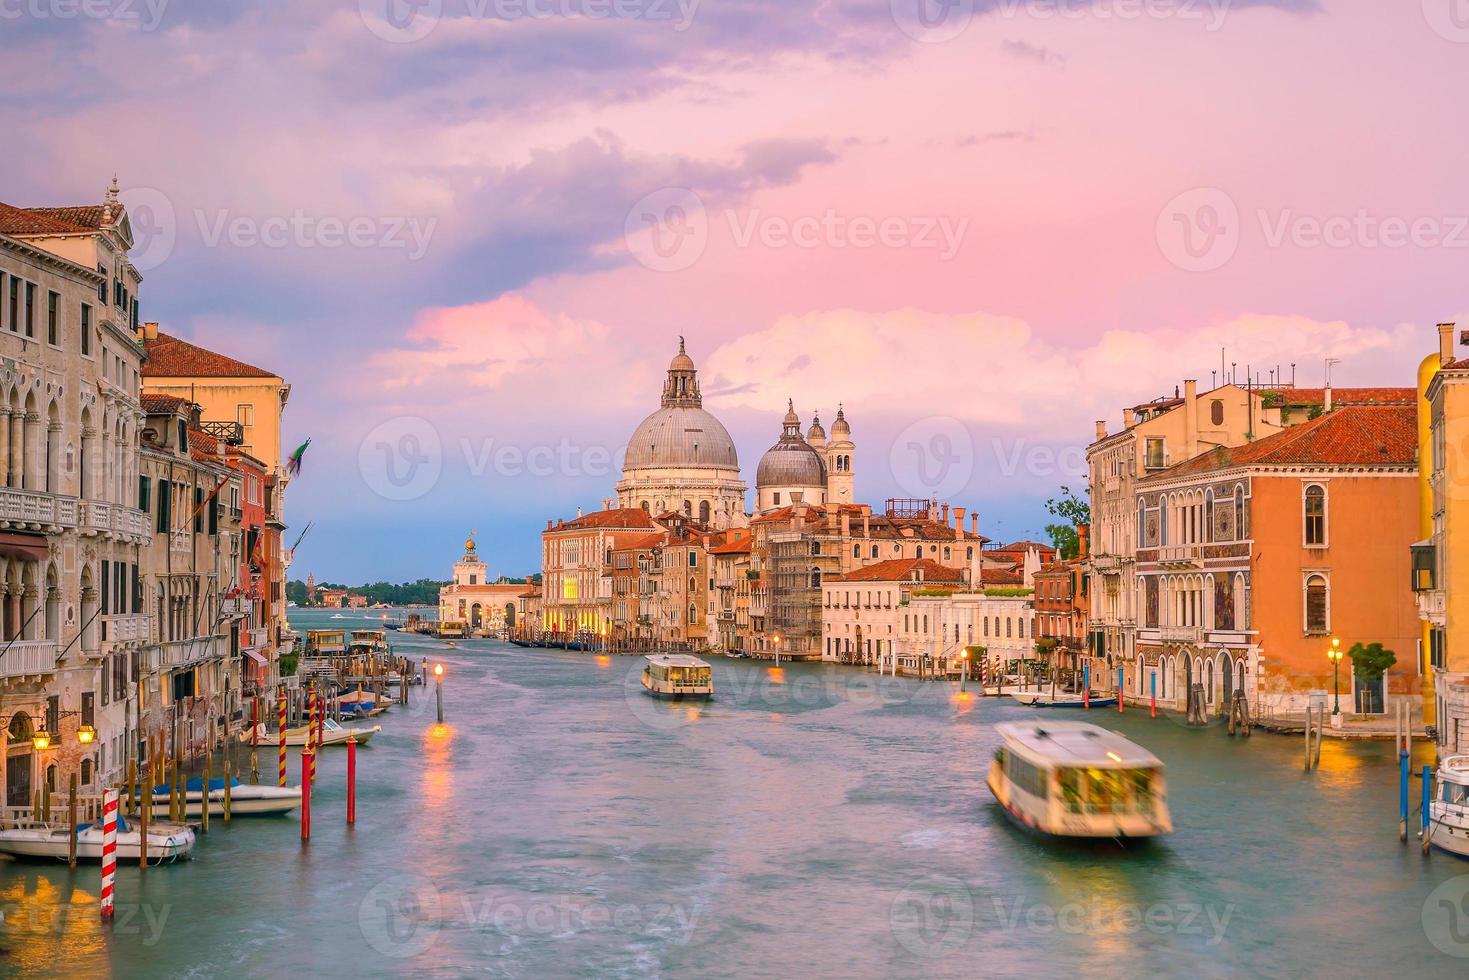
[1062, 699]
[166, 842]
[678, 676]
[1448, 811]
[1069, 779]
[332, 734]
[245, 800]
[363, 704]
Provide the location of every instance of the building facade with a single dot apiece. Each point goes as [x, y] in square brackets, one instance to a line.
[479, 605]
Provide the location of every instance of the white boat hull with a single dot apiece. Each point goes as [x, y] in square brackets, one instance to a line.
[166, 842]
[299, 736]
[245, 801]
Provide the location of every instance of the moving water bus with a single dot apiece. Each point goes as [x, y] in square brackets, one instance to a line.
[1069, 779]
[678, 676]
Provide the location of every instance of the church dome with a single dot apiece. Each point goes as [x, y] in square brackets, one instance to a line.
[681, 434]
[840, 430]
[816, 432]
[791, 462]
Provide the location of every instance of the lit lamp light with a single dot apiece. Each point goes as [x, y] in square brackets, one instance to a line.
[964, 672]
[776, 640]
[438, 670]
[86, 734]
[1334, 655]
[41, 740]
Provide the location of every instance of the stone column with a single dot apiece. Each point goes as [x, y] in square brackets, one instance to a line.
[34, 479]
[4, 447]
[16, 476]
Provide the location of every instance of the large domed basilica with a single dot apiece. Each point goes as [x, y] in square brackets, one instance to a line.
[681, 458]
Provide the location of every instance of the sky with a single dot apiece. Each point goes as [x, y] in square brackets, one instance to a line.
[469, 233]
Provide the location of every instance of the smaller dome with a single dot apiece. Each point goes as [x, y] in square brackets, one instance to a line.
[840, 429]
[791, 465]
[469, 545]
[816, 431]
[791, 417]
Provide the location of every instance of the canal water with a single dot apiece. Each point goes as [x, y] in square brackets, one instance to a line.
[811, 821]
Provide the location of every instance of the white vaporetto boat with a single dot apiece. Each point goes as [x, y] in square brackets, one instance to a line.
[1448, 811]
[678, 676]
[166, 842]
[1072, 779]
[245, 800]
[332, 734]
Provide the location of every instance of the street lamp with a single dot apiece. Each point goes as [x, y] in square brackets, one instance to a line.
[1334, 655]
[41, 740]
[776, 640]
[964, 672]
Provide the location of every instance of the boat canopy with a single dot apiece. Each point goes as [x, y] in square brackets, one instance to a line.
[1077, 743]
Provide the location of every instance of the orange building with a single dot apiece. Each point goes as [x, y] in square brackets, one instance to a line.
[1252, 559]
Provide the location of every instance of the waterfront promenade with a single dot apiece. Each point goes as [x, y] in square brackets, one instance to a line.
[818, 821]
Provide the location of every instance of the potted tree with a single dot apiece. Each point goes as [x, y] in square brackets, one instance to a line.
[1369, 663]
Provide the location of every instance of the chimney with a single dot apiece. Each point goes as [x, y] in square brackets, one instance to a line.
[1190, 418]
[150, 330]
[1101, 430]
[866, 521]
[946, 513]
[1445, 343]
[1327, 406]
[831, 518]
[1129, 418]
[846, 525]
[1083, 540]
[974, 523]
[958, 523]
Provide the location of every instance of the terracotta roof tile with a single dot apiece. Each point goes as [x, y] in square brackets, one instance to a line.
[170, 357]
[155, 404]
[43, 221]
[999, 576]
[1354, 435]
[904, 569]
[740, 547]
[626, 518]
[1341, 397]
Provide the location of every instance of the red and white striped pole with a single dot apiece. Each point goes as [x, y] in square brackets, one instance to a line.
[109, 850]
[311, 730]
[283, 738]
[308, 761]
[352, 780]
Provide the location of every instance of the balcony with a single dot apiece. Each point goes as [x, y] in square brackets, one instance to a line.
[115, 630]
[1181, 634]
[1107, 564]
[36, 511]
[230, 433]
[256, 639]
[1431, 606]
[1181, 555]
[100, 517]
[28, 658]
[185, 653]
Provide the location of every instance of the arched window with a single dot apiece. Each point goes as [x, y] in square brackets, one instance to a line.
[815, 547]
[704, 511]
[1317, 613]
[815, 578]
[1142, 523]
[1315, 516]
[1240, 530]
[969, 553]
[693, 614]
[1216, 412]
[644, 505]
[874, 551]
[1208, 515]
[856, 551]
[1164, 506]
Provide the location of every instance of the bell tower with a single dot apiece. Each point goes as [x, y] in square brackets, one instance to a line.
[839, 453]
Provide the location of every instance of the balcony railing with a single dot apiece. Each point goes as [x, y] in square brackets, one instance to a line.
[232, 433]
[1181, 634]
[100, 516]
[182, 653]
[28, 658]
[123, 629]
[256, 639]
[31, 508]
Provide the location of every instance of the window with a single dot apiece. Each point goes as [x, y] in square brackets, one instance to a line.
[86, 330]
[1240, 532]
[30, 309]
[145, 491]
[1315, 516]
[53, 332]
[14, 304]
[776, 498]
[1317, 620]
[164, 493]
[1216, 412]
[1155, 456]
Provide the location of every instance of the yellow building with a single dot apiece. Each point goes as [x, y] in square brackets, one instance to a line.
[1441, 561]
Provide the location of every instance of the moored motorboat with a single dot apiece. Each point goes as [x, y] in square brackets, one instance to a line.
[1448, 810]
[1063, 699]
[677, 676]
[245, 800]
[1073, 779]
[332, 734]
[166, 841]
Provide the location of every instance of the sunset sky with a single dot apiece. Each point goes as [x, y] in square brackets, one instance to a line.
[979, 225]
